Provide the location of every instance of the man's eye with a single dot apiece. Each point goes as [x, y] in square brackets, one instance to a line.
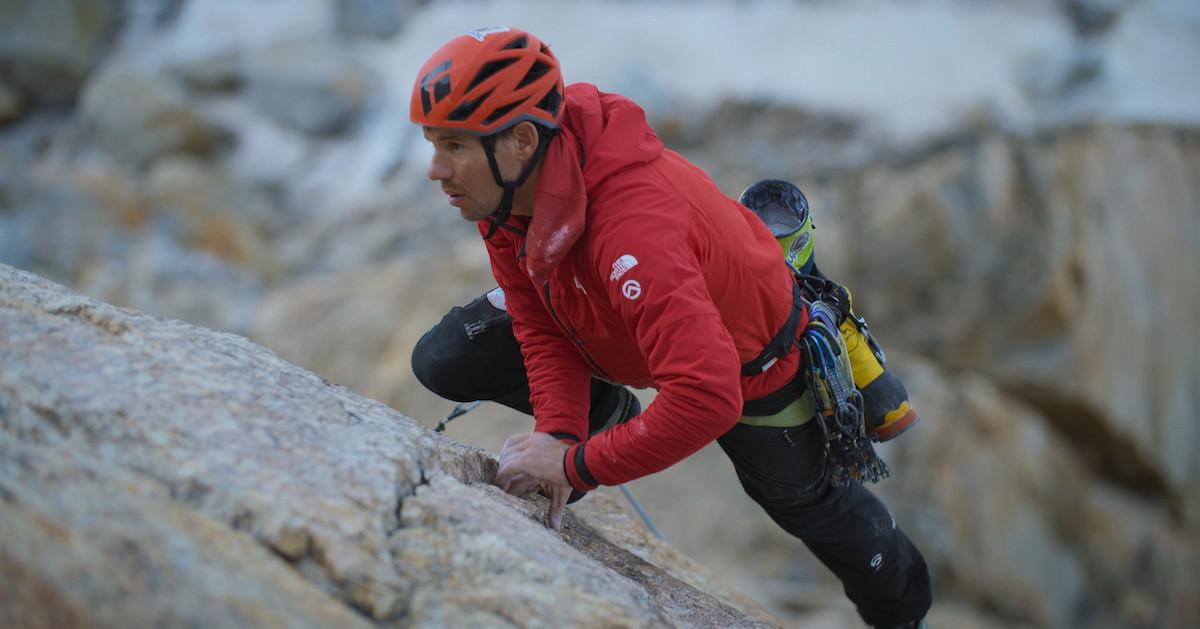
[454, 147]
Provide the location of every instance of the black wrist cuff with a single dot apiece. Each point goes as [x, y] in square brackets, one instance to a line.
[581, 466]
[563, 436]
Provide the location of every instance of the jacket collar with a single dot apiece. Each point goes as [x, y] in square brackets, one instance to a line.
[560, 203]
[612, 132]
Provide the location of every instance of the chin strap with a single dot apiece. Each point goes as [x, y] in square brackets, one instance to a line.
[499, 218]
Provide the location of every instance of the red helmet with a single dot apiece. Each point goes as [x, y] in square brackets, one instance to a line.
[488, 80]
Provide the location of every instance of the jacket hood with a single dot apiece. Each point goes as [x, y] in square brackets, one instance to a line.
[611, 129]
[600, 134]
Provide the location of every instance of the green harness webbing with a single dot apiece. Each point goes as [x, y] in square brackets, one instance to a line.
[829, 394]
[794, 414]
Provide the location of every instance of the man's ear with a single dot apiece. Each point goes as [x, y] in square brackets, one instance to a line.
[525, 137]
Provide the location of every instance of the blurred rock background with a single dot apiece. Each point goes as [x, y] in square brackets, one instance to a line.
[1011, 188]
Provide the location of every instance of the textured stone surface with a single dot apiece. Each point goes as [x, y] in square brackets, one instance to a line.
[90, 544]
[1034, 277]
[155, 473]
[372, 18]
[311, 85]
[12, 104]
[48, 48]
[138, 116]
[1063, 266]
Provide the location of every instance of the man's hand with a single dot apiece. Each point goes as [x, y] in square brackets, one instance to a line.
[532, 460]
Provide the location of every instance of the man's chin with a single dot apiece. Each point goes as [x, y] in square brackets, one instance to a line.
[469, 215]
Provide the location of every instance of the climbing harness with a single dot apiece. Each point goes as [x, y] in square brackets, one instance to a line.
[827, 373]
[849, 455]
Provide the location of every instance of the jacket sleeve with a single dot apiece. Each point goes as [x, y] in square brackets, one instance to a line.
[559, 378]
[655, 282]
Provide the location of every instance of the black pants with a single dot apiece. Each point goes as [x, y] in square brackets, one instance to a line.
[472, 355]
[847, 528]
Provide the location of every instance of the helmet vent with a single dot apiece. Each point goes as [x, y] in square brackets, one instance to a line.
[500, 113]
[441, 89]
[466, 108]
[517, 44]
[488, 70]
[551, 102]
[538, 70]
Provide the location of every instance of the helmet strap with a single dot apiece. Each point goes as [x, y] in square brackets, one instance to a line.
[499, 218]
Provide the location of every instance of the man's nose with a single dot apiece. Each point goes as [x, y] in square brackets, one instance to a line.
[438, 170]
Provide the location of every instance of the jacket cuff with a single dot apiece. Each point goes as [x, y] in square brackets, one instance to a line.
[575, 467]
[565, 436]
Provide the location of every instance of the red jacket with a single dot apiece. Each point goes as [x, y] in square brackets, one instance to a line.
[636, 268]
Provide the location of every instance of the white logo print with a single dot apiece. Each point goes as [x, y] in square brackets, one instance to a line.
[631, 289]
[480, 33]
[621, 266]
[496, 298]
[877, 562]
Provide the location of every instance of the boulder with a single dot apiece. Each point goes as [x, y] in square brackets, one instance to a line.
[1064, 266]
[311, 85]
[379, 19]
[62, 221]
[364, 321]
[213, 211]
[154, 272]
[186, 242]
[138, 114]
[49, 48]
[1011, 516]
[12, 103]
[156, 473]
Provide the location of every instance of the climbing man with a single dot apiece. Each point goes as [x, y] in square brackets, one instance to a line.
[620, 263]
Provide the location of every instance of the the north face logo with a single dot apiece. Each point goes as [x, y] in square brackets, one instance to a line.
[622, 266]
[481, 33]
[631, 289]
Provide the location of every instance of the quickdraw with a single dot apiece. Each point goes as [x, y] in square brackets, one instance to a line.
[849, 455]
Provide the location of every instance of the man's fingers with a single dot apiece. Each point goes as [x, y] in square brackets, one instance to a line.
[517, 484]
[522, 485]
[507, 454]
[514, 442]
[502, 483]
[509, 462]
[506, 475]
[530, 460]
[558, 504]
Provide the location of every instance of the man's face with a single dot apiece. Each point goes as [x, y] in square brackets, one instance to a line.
[460, 165]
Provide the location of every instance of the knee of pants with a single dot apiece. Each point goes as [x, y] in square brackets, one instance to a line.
[435, 359]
